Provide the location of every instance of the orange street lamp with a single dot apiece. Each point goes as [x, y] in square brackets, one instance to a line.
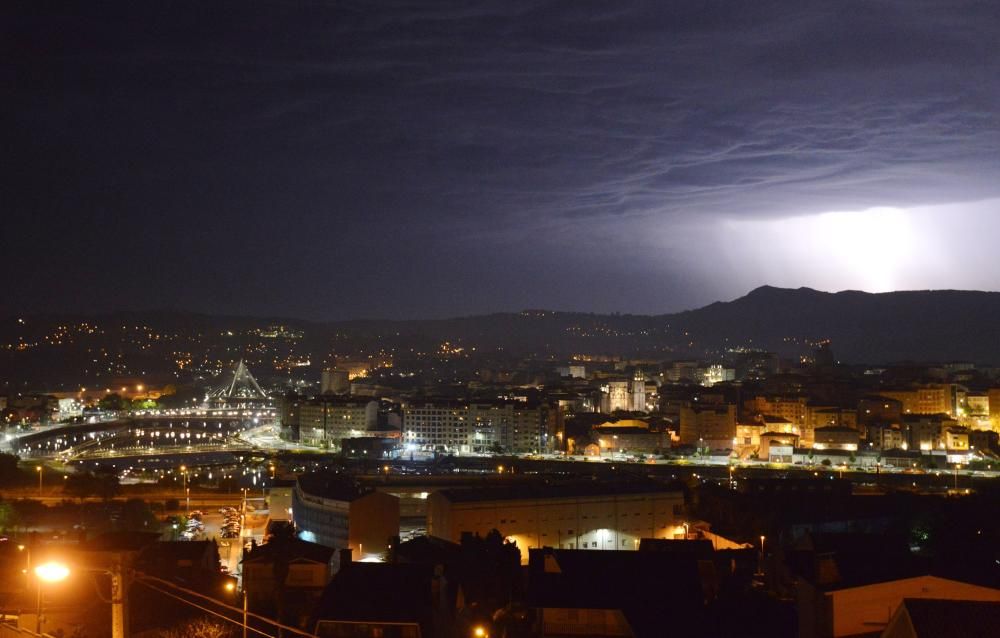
[50, 572]
[38, 468]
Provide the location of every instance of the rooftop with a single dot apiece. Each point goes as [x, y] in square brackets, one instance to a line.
[291, 549]
[331, 485]
[532, 491]
[943, 618]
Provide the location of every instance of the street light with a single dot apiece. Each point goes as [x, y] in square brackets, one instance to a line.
[50, 572]
[761, 553]
[184, 483]
[38, 468]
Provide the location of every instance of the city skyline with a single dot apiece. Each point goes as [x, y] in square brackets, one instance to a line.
[336, 162]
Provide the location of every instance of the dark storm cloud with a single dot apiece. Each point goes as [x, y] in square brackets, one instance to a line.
[449, 150]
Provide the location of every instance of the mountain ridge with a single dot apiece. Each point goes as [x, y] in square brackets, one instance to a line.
[870, 328]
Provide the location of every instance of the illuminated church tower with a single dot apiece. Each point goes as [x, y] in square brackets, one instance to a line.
[638, 392]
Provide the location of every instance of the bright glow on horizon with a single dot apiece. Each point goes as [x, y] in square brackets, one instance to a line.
[867, 250]
[941, 246]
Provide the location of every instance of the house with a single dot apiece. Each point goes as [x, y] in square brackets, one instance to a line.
[387, 600]
[285, 577]
[617, 593]
[868, 610]
[192, 562]
[937, 618]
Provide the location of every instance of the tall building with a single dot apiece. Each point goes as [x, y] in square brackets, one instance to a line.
[993, 400]
[710, 425]
[335, 381]
[794, 409]
[325, 420]
[462, 428]
[928, 399]
[639, 392]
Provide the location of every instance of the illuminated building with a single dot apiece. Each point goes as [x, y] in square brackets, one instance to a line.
[836, 437]
[335, 381]
[717, 374]
[748, 438]
[631, 436]
[886, 436]
[867, 609]
[993, 397]
[682, 371]
[710, 425]
[977, 405]
[793, 409]
[928, 399]
[597, 516]
[771, 441]
[925, 431]
[573, 371]
[334, 511]
[956, 440]
[638, 392]
[325, 420]
[822, 417]
[615, 396]
[463, 428]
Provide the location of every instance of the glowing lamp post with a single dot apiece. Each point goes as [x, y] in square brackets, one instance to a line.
[762, 553]
[38, 468]
[184, 483]
[51, 572]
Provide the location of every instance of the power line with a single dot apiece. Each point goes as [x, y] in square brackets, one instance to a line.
[204, 609]
[140, 577]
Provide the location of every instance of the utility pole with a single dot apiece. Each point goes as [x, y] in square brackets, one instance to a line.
[119, 599]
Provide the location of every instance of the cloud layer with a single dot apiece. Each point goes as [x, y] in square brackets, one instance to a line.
[384, 158]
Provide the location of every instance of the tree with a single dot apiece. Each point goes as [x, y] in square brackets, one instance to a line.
[199, 628]
[112, 402]
[108, 486]
[144, 404]
[10, 474]
[79, 485]
[8, 516]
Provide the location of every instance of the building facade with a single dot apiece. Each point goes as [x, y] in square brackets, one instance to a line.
[464, 428]
[587, 516]
[336, 513]
[325, 421]
[711, 425]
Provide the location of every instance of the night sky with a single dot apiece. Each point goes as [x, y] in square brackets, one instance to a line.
[400, 159]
